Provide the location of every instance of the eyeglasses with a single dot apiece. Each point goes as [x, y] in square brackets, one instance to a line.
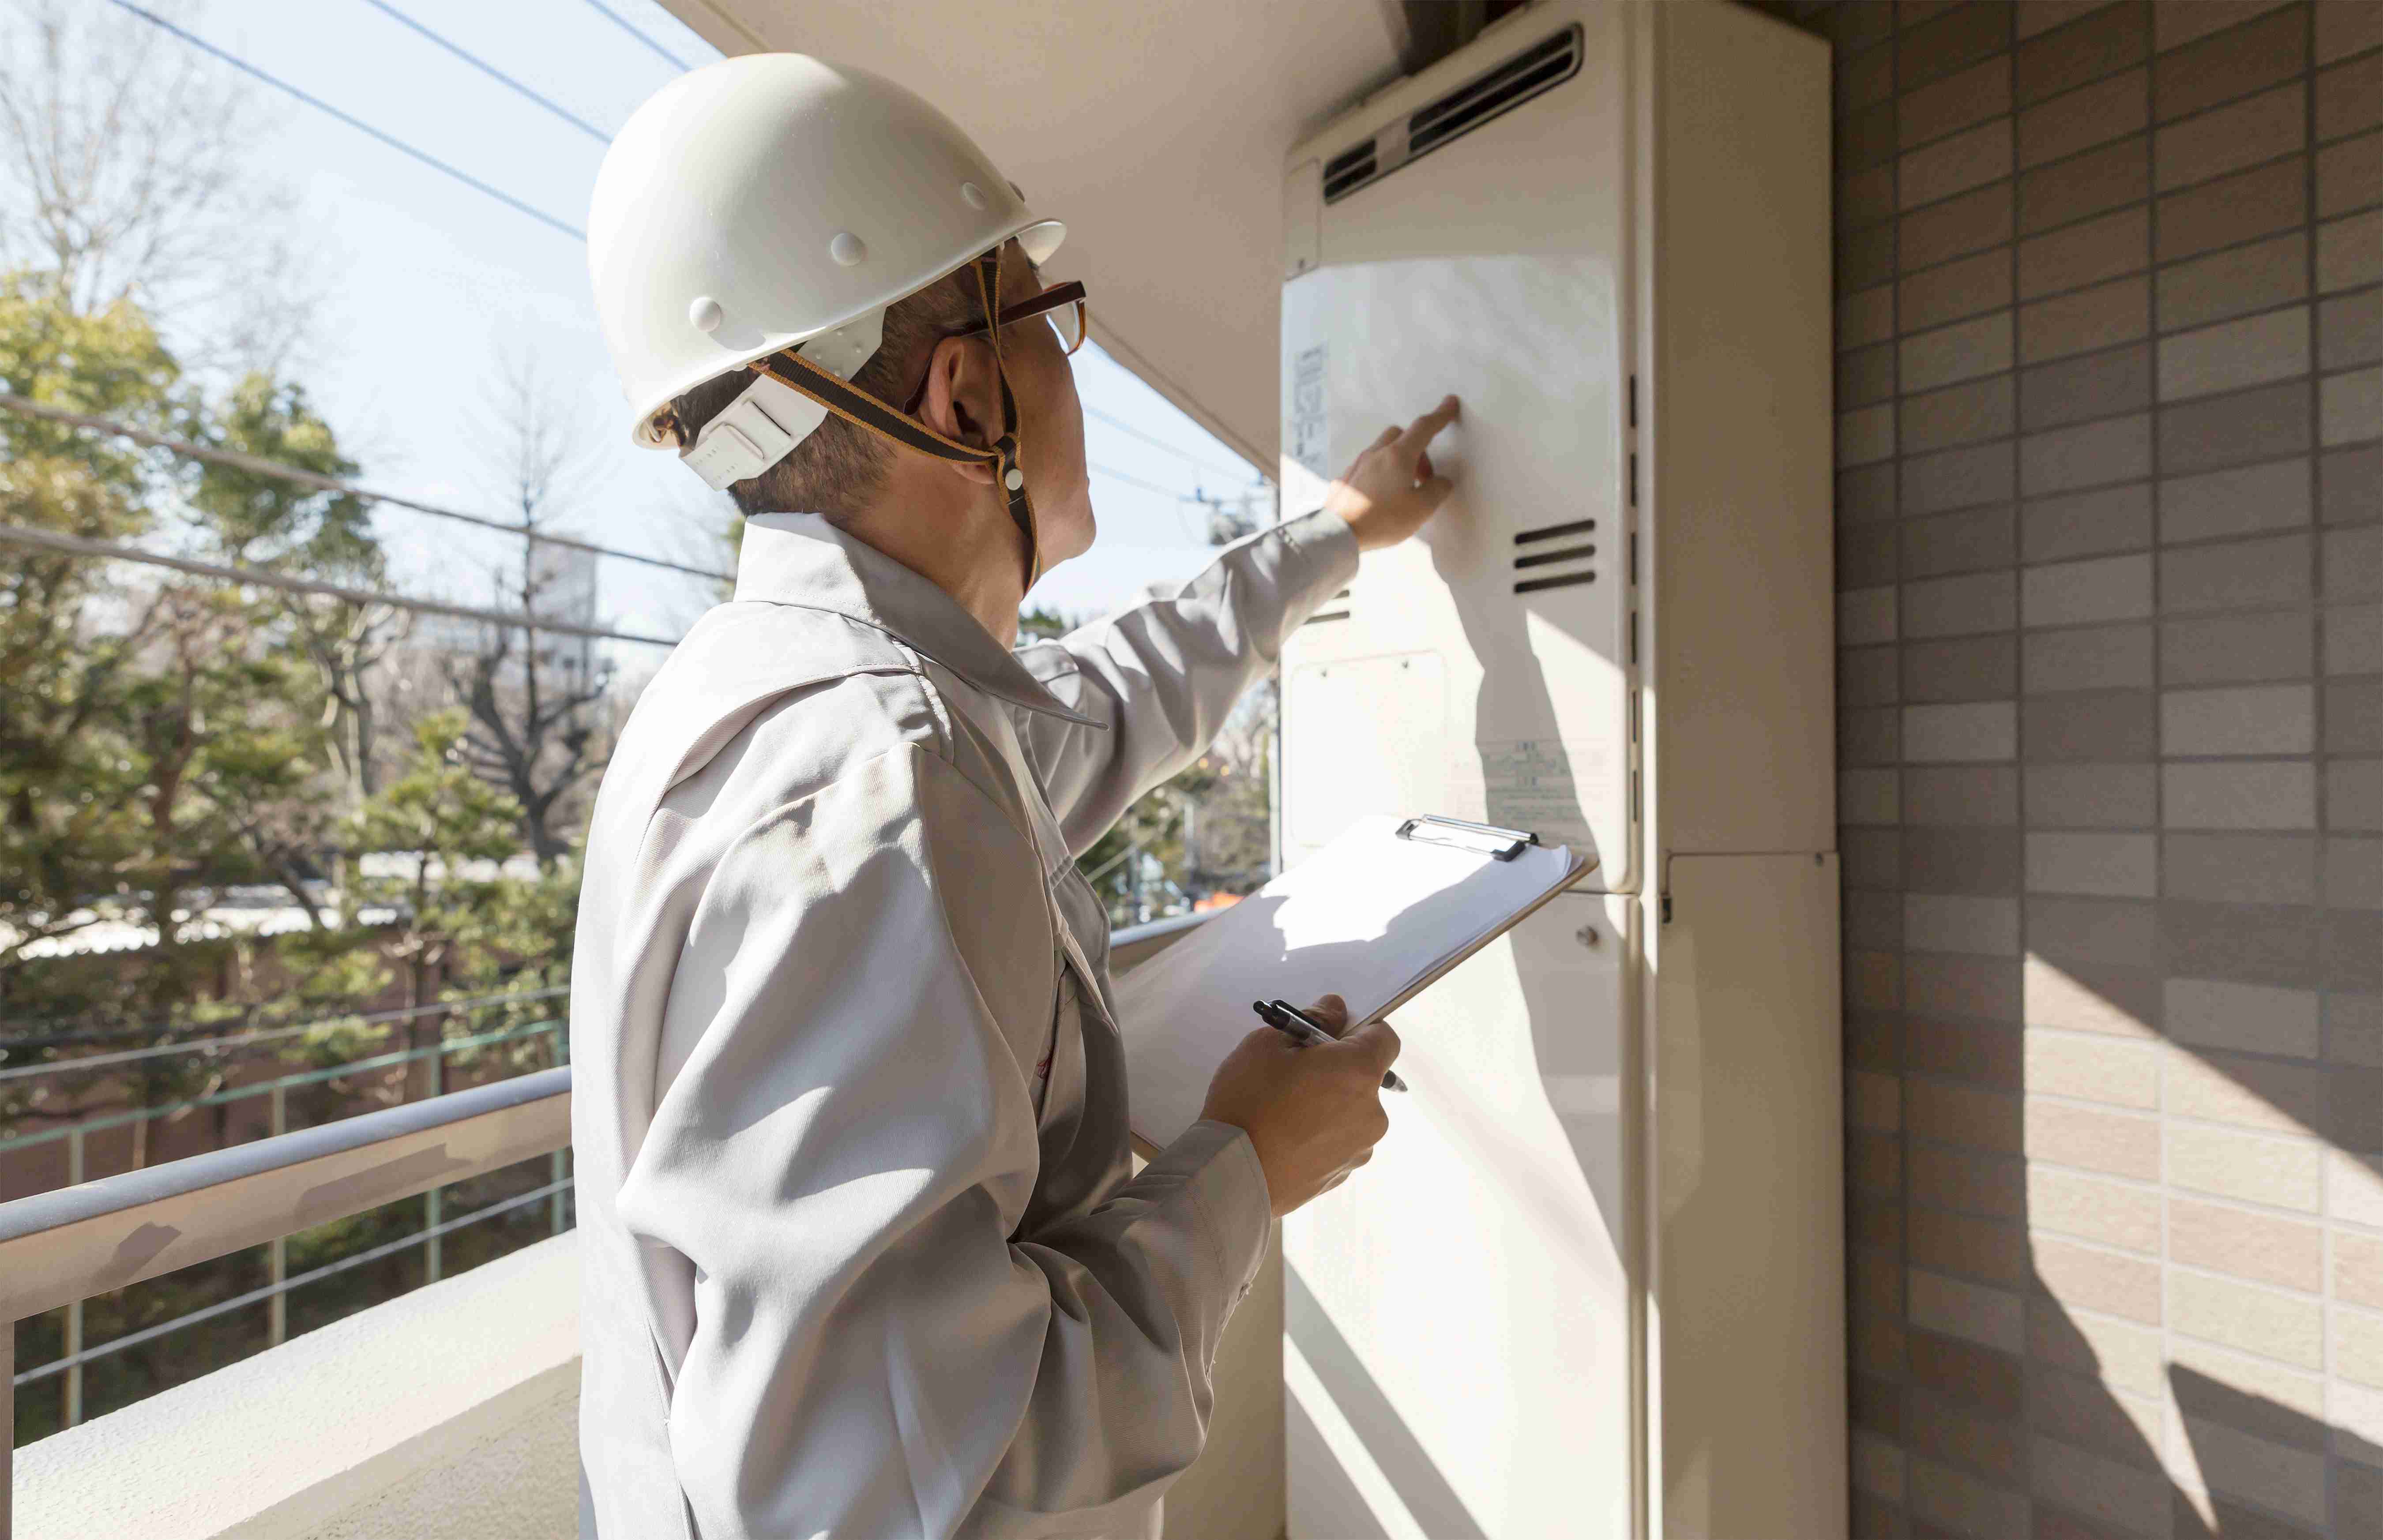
[1063, 306]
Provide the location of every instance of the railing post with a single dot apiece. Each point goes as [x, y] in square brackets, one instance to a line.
[8, 1409]
[431, 1205]
[277, 1309]
[74, 1310]
[554, 1162]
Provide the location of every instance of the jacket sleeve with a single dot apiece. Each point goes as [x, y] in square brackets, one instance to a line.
[1162, 675]
[842, 1157]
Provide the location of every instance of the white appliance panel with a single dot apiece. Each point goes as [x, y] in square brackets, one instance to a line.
[1458, 1358]
[1493, 269]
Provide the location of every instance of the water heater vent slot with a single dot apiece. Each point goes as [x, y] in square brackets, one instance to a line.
[1348, 171]
[1341, 599]
[1555, 532]
[1550, 558]
[1535, 585]
[1542, 67]
[1544, 64]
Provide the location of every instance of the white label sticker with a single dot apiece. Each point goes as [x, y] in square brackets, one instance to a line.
[1528, 783]
[1310, 422]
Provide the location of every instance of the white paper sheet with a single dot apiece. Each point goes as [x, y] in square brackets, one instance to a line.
[1366, 917]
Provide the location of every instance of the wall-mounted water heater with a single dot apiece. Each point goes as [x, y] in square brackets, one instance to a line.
[1592, 1282]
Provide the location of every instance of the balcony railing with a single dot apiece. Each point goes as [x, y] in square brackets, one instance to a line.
[59, 1248]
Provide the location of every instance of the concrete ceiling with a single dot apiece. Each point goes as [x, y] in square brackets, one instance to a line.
[1156, 129]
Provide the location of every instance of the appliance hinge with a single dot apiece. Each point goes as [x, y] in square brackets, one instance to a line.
[1667, 908]
[1633, 478]
[1634, 400]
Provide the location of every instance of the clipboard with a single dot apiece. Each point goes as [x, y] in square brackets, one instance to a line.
[1377, 916]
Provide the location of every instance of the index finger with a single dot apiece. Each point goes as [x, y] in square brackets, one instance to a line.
[1424, 429]
[1377, 1042]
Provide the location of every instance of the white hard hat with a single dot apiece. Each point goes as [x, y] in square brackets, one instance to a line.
[769, 201]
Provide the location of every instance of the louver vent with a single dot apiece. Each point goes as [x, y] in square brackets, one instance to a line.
[1561, 546]
[1336, 609]
[1544, 65]
[1348, 171]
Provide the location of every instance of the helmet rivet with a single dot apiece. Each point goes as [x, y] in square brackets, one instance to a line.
[972, 195]
[704, 314]
[1015, 479]
[846, 248]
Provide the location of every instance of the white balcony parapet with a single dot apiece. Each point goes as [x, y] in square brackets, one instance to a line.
[450, 1410]
[447, 1413]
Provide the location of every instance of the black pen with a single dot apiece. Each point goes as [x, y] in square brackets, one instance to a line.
[1289, 1019]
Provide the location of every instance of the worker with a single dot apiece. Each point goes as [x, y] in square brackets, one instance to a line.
[865, 1256]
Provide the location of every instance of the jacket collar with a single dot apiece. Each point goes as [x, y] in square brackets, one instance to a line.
[802, 560]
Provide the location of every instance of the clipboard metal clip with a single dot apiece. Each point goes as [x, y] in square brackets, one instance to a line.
[1488, 839]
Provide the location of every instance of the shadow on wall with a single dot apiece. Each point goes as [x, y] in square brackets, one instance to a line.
[2066, 1382]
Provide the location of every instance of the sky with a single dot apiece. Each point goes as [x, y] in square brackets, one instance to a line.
[431, 290]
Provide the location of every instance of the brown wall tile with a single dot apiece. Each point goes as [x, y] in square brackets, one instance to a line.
[2098, 180]
[2350, 175]
[2082, 118]
[1957, 479]
[2349, 329]
[1960, 37]
[1965, 668]
[2093, 318]
[2085, 253]
[2255, 203]
[2062, 460]
[1970, 159]
[1955, 290]
[2347, 27]
[2095, 658]
[2098, 726]
[2091, 796]
[2178, 22]
[2079, 1275]
[2099, 385]
[2234, 282]
[2265, 423]
[2248, 1245]
[2103, 42]
[2086, 524]
[1952, 353]
[1967, 1182]
[1959, 414]
[1958, 225]
[2232, 62]
[2238, 649]
[2350, 97]
[1959, 542]
[1955, 103]
[2270, 124]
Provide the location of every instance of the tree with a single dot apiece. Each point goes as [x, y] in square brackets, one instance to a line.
[255, 519]
[131, 152]
[534, 696]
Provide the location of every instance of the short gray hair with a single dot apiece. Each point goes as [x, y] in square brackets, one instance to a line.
[840, 467]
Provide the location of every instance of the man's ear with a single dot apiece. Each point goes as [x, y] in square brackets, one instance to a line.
[963, 401]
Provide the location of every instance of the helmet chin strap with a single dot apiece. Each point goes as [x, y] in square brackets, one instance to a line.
[796, 372]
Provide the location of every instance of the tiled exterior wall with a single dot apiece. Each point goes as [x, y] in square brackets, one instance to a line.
[2110, 578]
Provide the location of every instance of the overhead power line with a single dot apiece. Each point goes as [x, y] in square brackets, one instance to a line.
[1137, 481]
[1123, 426]
[350, 119]
[625, 25]
[257, 465]
[491, 71]
[74, 545]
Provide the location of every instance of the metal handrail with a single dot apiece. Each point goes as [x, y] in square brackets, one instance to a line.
[62, 1247]
[67, 1245]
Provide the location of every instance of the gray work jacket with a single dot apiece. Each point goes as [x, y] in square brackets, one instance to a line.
[863, 1256]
